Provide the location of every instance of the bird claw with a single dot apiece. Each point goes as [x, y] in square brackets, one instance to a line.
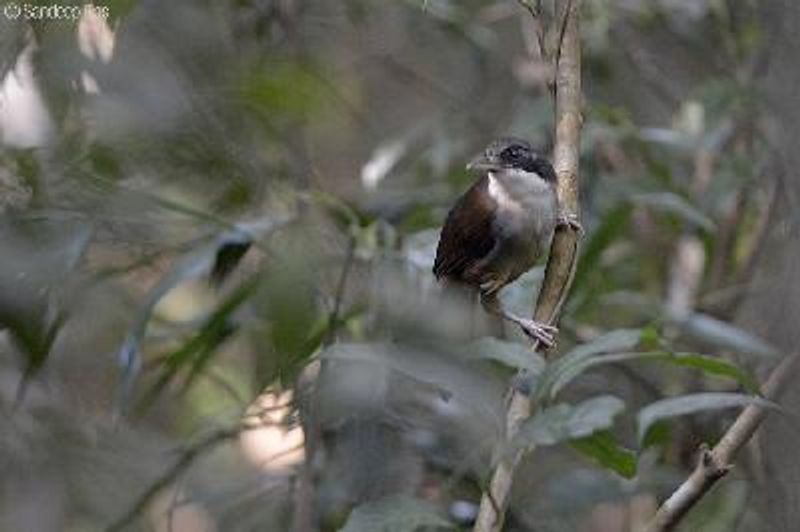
[541, 332]
[570, 220]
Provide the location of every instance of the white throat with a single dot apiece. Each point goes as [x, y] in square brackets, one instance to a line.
[517, 188]
[527, 207]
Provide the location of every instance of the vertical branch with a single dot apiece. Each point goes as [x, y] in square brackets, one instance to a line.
[563, 252]
[566, 155]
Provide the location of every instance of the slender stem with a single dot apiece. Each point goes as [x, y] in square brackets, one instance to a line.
[715, 463]
[563, 252]
[333, 317]
[184, 461]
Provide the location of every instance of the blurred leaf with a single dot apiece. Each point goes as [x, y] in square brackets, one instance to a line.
[216, 260]
[443, 371]
[399, 513]
[229, 253]
[650, 338]
[347, 216]
[711, 366]
[383, 160]
[455, 18]
[419, 249]
[288, 303]
[613, 224]
[195, 353]
[677, 205]
[383, 355]
[105, 161]
[610, 341]
[672, 138]
[12, 42]
[560, 372]
[659, 434]
[562, 422]
[418, 218]
[692, 403]
[284, 88]
[324, 328]
[511, 354]
[120, 8]
[195, 264]
[37, 260]
[602, 448]
[708, 364]
[724, 335]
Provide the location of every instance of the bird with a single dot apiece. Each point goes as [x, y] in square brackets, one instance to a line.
[501, 226]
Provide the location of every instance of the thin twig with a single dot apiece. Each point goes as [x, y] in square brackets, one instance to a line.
[562, 29]
[534, 7]
[715, 463]
[174, 505]
[561, 264]
[303, 512]
[184, 461]
[333, 317]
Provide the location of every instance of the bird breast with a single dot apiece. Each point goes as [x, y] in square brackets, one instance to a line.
[527, 208]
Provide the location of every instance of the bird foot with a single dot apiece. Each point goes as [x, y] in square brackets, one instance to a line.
[539, 331]
[570, 220]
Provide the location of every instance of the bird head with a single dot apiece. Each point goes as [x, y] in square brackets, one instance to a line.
[513, 154]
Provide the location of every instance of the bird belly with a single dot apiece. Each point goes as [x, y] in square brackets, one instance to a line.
[524, 233]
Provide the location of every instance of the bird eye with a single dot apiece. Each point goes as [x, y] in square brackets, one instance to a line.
[512, 153]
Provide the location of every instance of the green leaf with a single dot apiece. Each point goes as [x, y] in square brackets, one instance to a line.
[563, 371]
[559, 373]
[399, 513]
[284, 88]
[724, 335]
[344, 214]
[377, 353]
[39, 257]
[707, 364]
[287, 302]
[650, 338]
[614, 223]
[601, 447]
[446, 372]
[711, 366]
[692, 403]
[562, 422]
[511, 354]
[215, 259]
[195, 353]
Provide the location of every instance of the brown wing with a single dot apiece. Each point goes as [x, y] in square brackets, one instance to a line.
[467, 234]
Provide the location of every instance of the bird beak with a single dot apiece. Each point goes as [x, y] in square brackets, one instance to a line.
[482, 162]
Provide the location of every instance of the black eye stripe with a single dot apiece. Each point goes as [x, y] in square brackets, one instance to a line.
[513, 152]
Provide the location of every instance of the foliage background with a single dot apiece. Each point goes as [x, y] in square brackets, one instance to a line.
[301, 155]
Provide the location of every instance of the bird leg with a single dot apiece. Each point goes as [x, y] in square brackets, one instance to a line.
[536, 330]
[570, 220]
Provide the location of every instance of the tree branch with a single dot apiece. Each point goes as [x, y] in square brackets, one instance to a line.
[715, 463]
[535, 10]
[188, 455]
[184, 461]
[563, 252]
